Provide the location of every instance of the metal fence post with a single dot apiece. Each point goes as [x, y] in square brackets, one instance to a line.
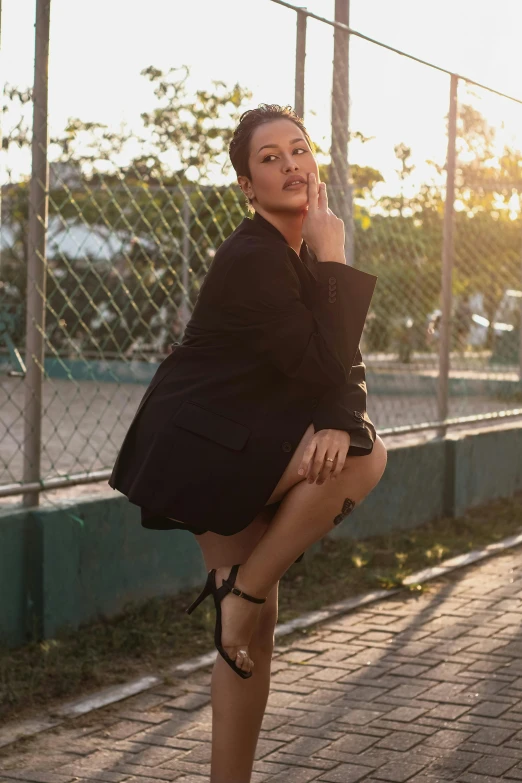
[447, 260]
[300, 55]
[37, 261]
[520, 303]
[35, 326]
[185, 253]
[341, 192]
[1, 137]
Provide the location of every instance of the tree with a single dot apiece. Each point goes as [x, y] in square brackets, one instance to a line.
[198, 126]
[145, 200]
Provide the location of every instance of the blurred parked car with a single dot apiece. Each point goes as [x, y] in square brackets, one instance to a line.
[471, 326]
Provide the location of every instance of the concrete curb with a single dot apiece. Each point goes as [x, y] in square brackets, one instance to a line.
[112, 694]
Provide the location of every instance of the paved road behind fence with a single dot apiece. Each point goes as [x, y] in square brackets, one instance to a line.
[84, 422]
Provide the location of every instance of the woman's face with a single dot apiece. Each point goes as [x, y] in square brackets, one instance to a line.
[279, 150]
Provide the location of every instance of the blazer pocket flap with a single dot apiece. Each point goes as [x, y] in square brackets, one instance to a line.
[211, 425]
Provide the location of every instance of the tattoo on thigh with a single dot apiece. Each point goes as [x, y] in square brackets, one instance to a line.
[347, 508]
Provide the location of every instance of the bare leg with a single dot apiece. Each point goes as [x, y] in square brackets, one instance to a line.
[306, 514]
[238, 705]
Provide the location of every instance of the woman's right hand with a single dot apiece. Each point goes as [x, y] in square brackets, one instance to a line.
[322, 230]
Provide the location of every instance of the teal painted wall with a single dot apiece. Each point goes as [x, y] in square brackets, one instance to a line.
[411, 492]
[110, 560]
[12, 578]
[486, 466]
[62, 568]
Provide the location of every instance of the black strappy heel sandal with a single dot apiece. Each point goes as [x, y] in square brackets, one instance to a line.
[219, 593]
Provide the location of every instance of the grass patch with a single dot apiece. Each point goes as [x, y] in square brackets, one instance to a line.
[151, 637]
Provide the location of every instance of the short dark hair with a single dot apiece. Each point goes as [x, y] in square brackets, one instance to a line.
[239, 147]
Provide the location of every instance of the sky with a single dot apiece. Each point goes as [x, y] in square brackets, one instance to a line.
[98, 49]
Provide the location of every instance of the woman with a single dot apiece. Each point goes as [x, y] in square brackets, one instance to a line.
[253, 433]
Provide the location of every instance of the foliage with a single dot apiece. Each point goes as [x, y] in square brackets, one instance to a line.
[169, 217]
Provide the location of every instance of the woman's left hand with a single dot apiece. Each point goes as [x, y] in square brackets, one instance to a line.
[325, 443]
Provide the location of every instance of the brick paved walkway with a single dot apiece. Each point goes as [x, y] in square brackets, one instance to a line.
[418, 689]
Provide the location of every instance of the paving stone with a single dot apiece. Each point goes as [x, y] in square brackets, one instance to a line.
[448, 738]
[142, 716]
[405, 714]
[297, 656]
[295, 775]
[492, 736]
[142, 779]
[190, 701]
[183, 778]
[346, 773]
[398, 771]
[492, 765]
[267, 767]
[315, 719]
[489, 709]
[155, 755]
[410, 670]
[366, 693]
[294, 760]
[340, 637]
[447, 711]
[281, 699]
[139, 779]
[486, 750]
[409, 691]
[125, 728]
[400, 740]
[360, 717]
[324, 697]
[416, 727]
[352, 743]
[376, 757]
[450, 766]
[201, 754]
[38, 776]
[305, 746]
[327, 674]
[515, 773]
[471, 777]
[452, 631]
[376, 636]
[287, 676]
[163, 773]
[446, 672]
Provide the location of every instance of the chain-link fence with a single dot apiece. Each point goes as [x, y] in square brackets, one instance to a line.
[107, 234]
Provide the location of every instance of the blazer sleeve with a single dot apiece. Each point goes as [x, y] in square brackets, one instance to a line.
[344, 408]
[263, 304]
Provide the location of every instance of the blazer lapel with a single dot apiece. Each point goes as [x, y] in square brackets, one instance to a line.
[262, 227]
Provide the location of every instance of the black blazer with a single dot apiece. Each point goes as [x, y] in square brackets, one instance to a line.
[272, 345]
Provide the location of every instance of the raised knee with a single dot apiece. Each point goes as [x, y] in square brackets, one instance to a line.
[379, 453]
[374, 462]
[370, 468]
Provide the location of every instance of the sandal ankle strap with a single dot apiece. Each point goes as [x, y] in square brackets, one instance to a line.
[243, 594]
